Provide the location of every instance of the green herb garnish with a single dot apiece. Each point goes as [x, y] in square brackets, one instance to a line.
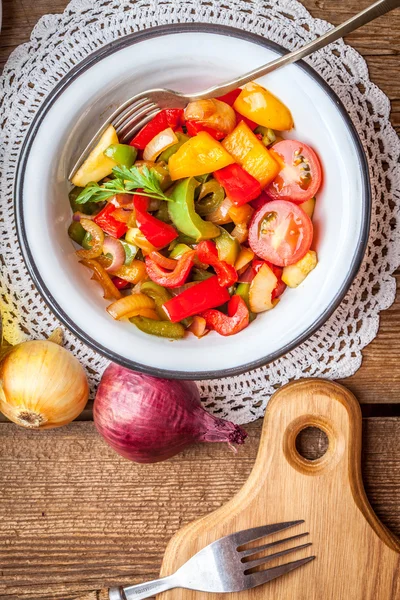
[126, 180]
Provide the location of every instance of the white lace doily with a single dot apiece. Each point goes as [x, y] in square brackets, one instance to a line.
[58, 42]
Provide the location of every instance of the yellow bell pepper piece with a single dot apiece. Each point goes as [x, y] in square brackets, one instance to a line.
[251, 154]
[198, 156]
[97, 165]
[259, 105]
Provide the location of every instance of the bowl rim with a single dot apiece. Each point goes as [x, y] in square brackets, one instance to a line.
[94, 58]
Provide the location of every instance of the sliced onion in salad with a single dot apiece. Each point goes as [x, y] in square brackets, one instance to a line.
[130, 306]
[115, 248]
[221, 215]
[212, 113]
[198, 326]
[163, 261]
[159, 143]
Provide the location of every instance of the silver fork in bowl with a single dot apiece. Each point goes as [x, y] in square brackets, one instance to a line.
[141, 108]
[224, 566]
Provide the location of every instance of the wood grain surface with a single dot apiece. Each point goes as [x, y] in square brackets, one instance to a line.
[327, 493]
[74, 517]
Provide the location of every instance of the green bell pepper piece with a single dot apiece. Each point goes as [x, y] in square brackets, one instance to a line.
[130, 252]
[166, 155]
[86, 241]
[228, 247]
[211, 196]
[162, 214]
[203, 178]
[183, 213]
[185, 239]
[76, 232]
[243, 290]
[268, 134]
[163, 175]
[179, 250]
[187, 322]
[159, 294]
[201, 274]
[123, 154]
[160, 328]
[88, 209]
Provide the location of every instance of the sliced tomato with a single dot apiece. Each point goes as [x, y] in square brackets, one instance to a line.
[280, 233]
[301, 174]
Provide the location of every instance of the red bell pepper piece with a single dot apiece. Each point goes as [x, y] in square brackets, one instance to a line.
[277, 271]
[230, 97]
[119, 283]
[208, 254]
[249, 122]
[170, 279]
[194, 127]
[170, 117]
[240, 186]
[108, 223]
[158, 233]
[236, 320]
[196, 299]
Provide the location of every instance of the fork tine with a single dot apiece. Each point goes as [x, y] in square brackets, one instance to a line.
[134, 116]
[256, 579]
[133, 100]
[260, 561]
[251, 535]
[129, 110]
[129, 134]
[251, 551]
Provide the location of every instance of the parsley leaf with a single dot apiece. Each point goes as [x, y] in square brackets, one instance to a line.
[125, 181]
[94, 193]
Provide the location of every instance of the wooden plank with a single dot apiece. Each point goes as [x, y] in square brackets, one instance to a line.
[75, 517]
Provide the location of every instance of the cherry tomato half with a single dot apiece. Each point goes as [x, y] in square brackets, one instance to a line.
[280, 233]
[300, 178]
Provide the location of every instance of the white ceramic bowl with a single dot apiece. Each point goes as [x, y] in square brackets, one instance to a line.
[188, 58]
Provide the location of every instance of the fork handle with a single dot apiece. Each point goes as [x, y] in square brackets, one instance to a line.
[143, 590]
[365, 16]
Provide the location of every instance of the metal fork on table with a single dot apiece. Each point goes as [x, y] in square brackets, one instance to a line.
[224, 566]
[141, 108]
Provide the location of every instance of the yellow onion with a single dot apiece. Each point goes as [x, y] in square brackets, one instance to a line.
[212, 113]
[159, 143]
[42, 385]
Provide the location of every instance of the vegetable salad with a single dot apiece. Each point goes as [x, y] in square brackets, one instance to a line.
[203, 220]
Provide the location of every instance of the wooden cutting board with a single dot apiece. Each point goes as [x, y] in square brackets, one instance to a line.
[357, 557]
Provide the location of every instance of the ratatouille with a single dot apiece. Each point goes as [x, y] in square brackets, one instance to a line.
[203, 220]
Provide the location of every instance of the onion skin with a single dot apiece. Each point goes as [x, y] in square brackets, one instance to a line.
[42, 385]
[147, 420]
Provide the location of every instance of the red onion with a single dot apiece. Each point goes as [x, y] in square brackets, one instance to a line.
[247, 276]
[115, 248]
[149, 420]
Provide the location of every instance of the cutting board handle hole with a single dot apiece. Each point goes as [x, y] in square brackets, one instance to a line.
[312, 443]
[325, 453]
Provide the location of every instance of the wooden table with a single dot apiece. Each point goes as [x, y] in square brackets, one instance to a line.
[74, 517]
